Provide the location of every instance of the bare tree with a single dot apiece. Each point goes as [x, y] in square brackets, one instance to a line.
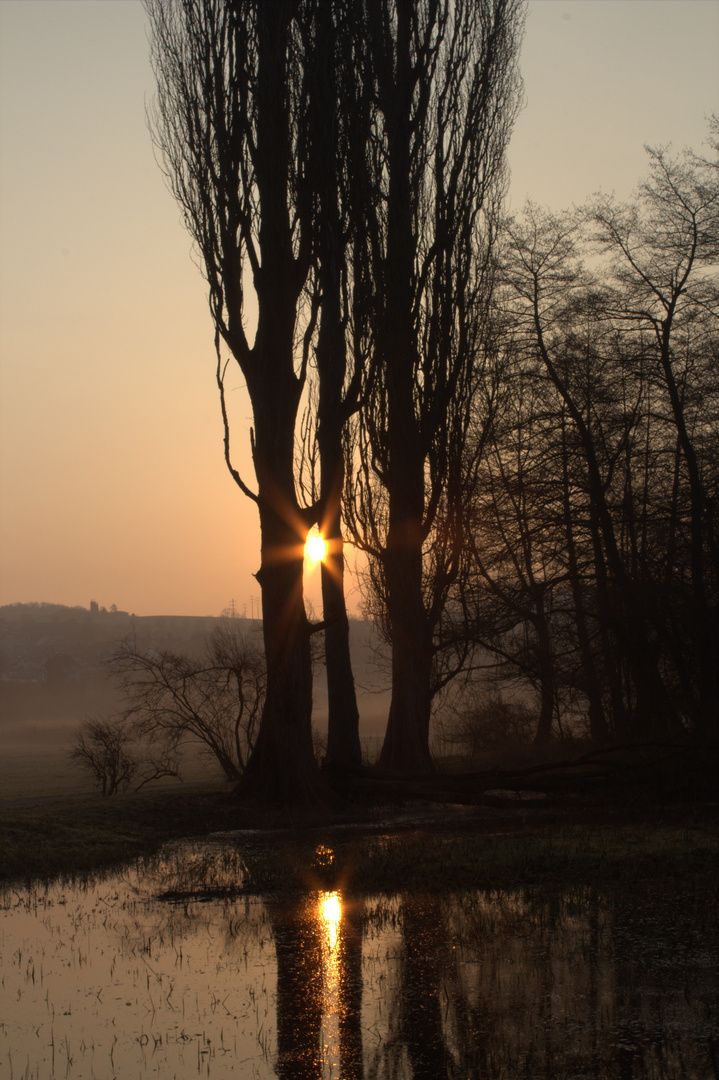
[107, 748]
[515, 542]
[233, 124]
[664, 252]
[213, 701]
[340, 118]
[549, 287]
[445, 91]
[621, 526]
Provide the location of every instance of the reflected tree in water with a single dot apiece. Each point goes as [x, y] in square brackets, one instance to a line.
[318, 943]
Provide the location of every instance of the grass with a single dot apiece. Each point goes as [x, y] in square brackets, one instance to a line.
[36, 760]
[64, 837]
[448, 848]
[439, 858]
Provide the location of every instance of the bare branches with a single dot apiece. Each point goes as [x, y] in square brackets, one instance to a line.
[214, 700]
[108, 750]
[445, 91]
[595, 536]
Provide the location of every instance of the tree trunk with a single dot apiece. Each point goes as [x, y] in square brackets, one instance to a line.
[651, 712]
[343, 741]
[343, 744]
[406, 743]
[282, 769]
[590, 683]
[545, 657]
[704, 619]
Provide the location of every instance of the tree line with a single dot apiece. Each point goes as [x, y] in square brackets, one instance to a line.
[594, 531]
[522, 443]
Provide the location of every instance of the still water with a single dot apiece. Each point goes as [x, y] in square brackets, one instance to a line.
[131, 975]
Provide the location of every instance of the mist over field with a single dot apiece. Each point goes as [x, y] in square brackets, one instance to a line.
[53, 675]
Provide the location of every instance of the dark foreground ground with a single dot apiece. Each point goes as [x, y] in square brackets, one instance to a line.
[377, 848]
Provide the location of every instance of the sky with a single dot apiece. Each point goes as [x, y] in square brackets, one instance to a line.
[113, 485]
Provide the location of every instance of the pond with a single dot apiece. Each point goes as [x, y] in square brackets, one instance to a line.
[167, 970]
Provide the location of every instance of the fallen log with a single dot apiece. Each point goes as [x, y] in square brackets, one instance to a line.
[659, 770]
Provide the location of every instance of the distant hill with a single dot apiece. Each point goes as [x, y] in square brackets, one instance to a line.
[51, 659]
[32, 636]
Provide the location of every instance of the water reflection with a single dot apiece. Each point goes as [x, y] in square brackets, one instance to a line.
[318, 946]
[330, 913]
[104, 979]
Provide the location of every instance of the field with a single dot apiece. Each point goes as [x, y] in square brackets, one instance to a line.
[38, 720]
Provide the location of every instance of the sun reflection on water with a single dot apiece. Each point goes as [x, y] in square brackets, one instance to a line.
[330, 913]
[331, 909]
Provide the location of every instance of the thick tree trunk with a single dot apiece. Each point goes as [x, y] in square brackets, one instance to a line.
[406, 743]
[282, 768]
[343, 742]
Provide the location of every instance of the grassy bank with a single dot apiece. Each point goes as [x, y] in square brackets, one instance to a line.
[431, 849]
[76, 835]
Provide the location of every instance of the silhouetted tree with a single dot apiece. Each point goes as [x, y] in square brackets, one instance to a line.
[595, 535]
[339, 117]
[234, 126]
[515, 542]
[108, 749]
[662, 251]
[214, 700]
[549, 288]
[444, 93]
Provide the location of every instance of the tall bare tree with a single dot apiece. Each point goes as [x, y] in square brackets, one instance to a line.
[515, 541]
[664, 252]
[549, 288]
[445, 91]
[625, 357]
[340, 119]
[232, 123]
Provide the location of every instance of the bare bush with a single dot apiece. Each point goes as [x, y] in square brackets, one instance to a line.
[107, 749]
[492, 724]
[214, 700]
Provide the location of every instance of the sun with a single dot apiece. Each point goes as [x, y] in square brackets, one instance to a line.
[315, 548]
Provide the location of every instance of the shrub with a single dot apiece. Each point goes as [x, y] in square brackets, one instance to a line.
[492, 724]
